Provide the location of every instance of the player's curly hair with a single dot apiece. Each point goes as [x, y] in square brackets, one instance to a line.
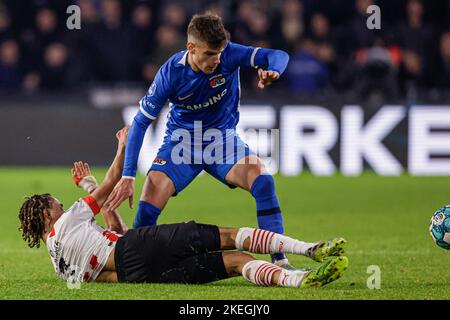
[209, 28]
[31, 216]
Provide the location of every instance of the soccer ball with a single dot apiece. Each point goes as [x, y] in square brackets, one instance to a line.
[440, 227]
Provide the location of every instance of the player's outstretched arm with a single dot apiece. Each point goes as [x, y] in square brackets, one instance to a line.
[83, 178]
[149, 108]
[115, 170]
[125, 187]
[270, 63]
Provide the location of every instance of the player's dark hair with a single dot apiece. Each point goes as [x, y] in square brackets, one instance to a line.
[209, 28]
[31, 216]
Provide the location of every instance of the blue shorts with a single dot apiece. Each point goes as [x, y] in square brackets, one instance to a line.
[182, 167]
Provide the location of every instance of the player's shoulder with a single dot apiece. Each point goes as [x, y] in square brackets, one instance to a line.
[170, 69]
[233, 51]
[176, 61]
[232, 47]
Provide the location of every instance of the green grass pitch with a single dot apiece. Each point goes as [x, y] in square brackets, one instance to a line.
[385, 220]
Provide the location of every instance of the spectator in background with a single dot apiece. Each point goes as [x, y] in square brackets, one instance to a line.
[46, 31]
[355, 35]
[110, 44]
[377, 69]
[259, 29]
[259, 33]
[168, 41]
[291, 23]
[414, 35]
[5, 25]
[79, 45]
[89, 14]
[175, 17]
[142, 37]
[241, 32]
[320, 33]
[218, 8]
[306, 73]
[439, 75]
[252, 28]
[10, 70]
[319, 28]
[411, 74]
[54, 74]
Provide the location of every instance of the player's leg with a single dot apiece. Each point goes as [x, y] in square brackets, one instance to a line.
[263, 241]
[157, 190]
[170, 253]
[164, 179]
[250, 174]
[263, 273]
[244, 169]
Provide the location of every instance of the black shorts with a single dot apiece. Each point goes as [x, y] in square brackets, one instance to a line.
[170, 253]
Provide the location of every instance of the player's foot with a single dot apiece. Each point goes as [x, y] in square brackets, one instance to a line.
[325, 249]
[326, 273]
[284, 263]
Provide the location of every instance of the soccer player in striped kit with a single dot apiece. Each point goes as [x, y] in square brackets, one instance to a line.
[82, 251]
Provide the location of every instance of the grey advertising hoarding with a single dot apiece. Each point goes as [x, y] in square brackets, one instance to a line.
[390, 140]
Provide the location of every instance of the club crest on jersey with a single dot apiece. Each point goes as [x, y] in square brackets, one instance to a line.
[216, 81]
[159, 161]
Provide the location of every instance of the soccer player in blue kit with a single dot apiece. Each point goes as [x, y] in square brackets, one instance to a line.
[202, 86]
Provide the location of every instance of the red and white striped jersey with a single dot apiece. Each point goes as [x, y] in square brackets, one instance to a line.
[78, 247]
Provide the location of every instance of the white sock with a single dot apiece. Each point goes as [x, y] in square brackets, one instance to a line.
[263, 241]
[261, 274]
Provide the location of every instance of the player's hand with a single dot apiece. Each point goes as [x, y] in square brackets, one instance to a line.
[266, 77]
[122, 136]
[79, 171]
[124, 189]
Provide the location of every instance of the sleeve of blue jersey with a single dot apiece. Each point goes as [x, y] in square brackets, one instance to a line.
[157, 95]
[134, 143]
[270, 59]
[149, 108]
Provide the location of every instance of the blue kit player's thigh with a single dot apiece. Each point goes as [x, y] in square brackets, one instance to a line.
[232, 153]
[181, 174]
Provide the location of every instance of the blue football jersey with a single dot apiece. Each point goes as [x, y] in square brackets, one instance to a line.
[193, 96]
[197, 96]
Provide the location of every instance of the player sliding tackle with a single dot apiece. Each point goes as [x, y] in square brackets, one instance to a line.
[172, 253]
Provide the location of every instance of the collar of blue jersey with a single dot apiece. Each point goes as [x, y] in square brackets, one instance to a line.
[184, 58]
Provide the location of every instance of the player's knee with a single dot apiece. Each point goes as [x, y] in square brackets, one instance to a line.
[264, 185]
[158, 189]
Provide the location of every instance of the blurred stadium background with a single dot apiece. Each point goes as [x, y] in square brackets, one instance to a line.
[352, 100]
[79, 81]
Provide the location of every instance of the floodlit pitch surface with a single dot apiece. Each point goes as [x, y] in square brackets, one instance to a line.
[385, 220]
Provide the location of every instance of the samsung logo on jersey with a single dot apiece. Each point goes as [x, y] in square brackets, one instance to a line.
[210, 102]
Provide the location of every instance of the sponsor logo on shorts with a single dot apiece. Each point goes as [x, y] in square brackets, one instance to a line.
[216, 81]
[159, 161]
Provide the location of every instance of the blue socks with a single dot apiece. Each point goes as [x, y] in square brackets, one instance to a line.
[146, 215]
[268, 209]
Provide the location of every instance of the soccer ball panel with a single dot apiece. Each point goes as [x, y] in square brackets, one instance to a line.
[440, 227]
